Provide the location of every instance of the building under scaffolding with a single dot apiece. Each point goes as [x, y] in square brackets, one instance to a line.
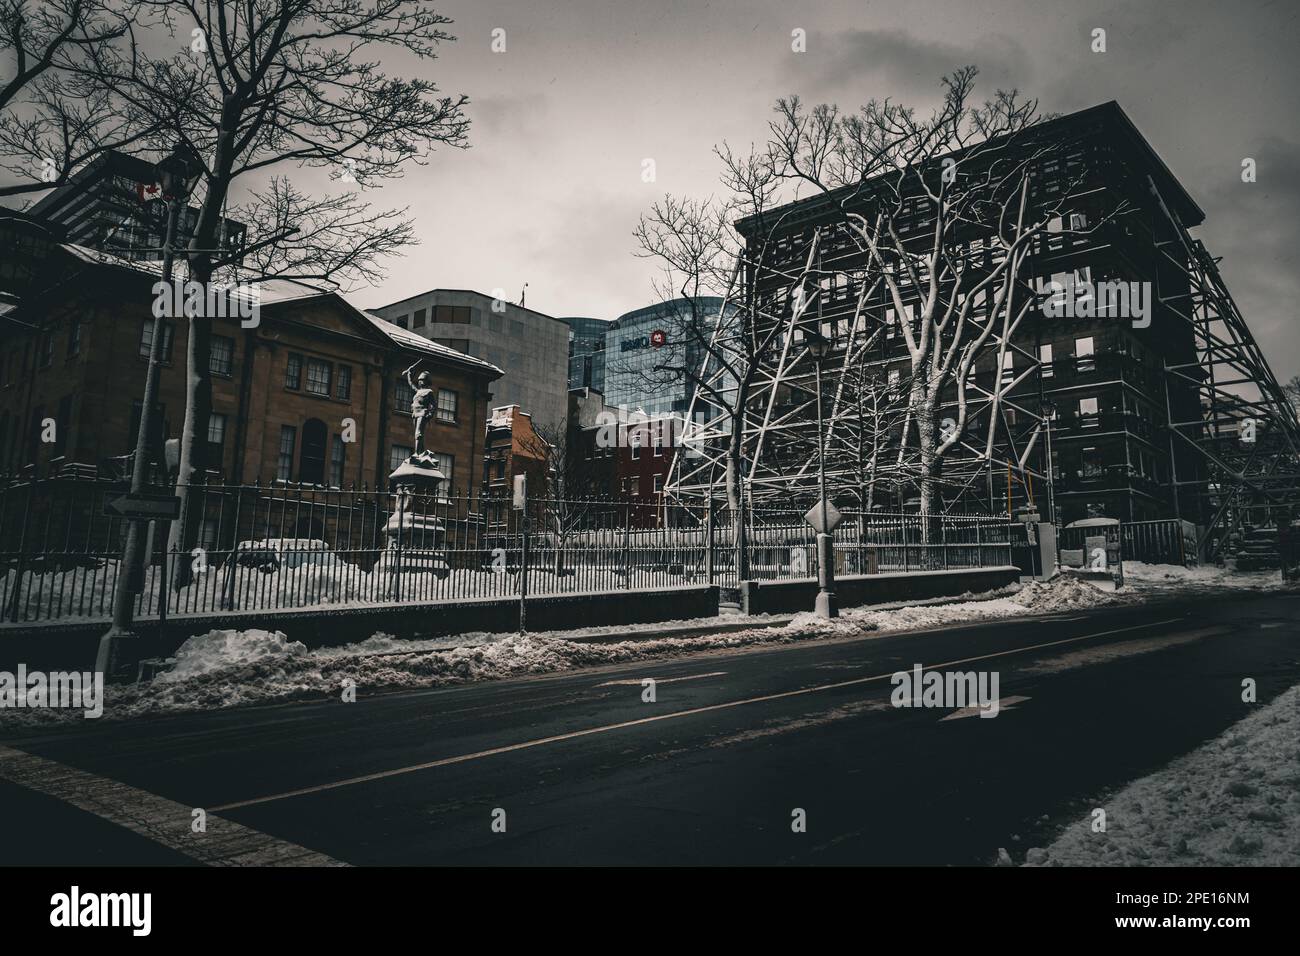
[1162, 408]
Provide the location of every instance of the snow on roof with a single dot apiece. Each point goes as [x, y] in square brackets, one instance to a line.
[269, 290]
[419, 343]
[274, 291]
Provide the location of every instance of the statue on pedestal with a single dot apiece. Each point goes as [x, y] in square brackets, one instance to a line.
[423, 403]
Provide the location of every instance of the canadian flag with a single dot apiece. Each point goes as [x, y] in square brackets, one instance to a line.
[148, 191]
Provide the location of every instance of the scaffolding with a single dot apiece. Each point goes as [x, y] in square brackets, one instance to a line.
[1247, 434]
[998, 462]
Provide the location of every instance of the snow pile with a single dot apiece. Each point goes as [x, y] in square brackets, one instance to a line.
[274, 673]
[218, 650]
[226, 668]
[1233, 802]
[1176, 577]
[1062, 593]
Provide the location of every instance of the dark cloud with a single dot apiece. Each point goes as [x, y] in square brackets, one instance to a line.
[898, 64]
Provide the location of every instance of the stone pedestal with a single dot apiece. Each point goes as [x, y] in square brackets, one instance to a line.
[416, 539]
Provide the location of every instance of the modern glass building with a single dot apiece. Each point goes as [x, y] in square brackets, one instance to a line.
[648, 350]
[587, 351]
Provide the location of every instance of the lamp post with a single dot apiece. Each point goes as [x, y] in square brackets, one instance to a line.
[819, 347]
[177, 174]
[1049, 416]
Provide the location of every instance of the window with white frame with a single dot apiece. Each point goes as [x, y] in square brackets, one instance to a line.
[338, 458]
[284, 466]
[448, 404]
[318, 377]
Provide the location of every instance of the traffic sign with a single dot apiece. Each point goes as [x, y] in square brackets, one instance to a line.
[833, 518]
[144, 505]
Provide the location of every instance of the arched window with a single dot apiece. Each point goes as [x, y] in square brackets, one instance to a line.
[311, 464]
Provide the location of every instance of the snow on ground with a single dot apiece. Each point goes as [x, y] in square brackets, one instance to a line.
[1233, 802]
[1175, 577]
[227, 668]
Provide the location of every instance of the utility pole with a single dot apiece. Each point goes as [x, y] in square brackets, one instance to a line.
[174, 173]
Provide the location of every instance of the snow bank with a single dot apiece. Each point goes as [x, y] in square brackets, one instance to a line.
[226, 668]
[1174, 577]
[218, 650]
[1233, 802]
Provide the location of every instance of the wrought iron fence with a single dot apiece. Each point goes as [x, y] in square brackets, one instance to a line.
[282, 546]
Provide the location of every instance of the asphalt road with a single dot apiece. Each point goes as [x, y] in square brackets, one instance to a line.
[583, 771]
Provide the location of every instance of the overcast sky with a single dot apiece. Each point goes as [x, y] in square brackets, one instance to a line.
[551, 188]
[586, 90]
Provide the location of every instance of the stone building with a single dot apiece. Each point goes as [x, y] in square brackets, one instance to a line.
[311, 392]
[531, 348]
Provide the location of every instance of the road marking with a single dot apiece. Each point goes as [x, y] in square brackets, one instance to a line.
[638, 681]
[164, 821]
[1004, 703]
[606, 728]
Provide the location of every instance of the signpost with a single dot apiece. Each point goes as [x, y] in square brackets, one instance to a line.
[520, 503]
[144, 506]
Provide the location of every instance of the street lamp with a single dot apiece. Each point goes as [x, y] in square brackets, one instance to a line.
[818, 348]
[177, 174]
[1049, 416]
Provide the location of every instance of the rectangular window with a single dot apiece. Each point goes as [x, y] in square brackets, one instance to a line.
[62, 423]
[221, 358]
[402, 395]
[293, 372]
[1088, 412]
[398, 454]
[46, 349]
[318, 377]
[1045, 360]
[417, 320]
[338, 458]
[659, 485]
[1083, 354]
[216, 439]
[1008, 367]
[447, 405]
[446, 465]
[400, 321]
[1091, 463]
[146, 340]
[216, 428]
[74, 337]
[343, 383]
[288, 438]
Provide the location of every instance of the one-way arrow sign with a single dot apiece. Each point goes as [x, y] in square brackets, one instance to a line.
[833, 518]
[144, 505]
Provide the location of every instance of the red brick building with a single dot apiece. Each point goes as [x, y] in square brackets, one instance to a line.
[312, 393]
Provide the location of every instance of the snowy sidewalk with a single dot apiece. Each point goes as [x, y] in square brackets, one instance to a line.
[1233, 802]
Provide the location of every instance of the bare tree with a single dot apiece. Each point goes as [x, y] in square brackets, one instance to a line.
[866, 430]
[719, 354]
[277, 84]
[1292, 391]
[915, 193]
[53, 118]
[572, 485]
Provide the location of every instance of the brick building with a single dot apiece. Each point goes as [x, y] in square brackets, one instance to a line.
[1097, 378]
[287, 393]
